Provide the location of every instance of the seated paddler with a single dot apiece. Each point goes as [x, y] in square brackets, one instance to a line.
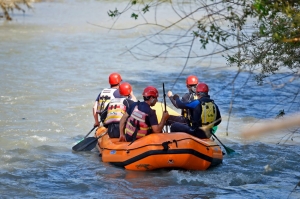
[204, 111]
[140, 120]
[115, 109]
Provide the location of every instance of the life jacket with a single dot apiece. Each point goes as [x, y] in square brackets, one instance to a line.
[186, 112]
[136, 125]
[105, 96]
[209, 112]
[115, 111]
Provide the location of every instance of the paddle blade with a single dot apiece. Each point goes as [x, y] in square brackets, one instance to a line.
[85, 145]
[214, 129]
[228, 150]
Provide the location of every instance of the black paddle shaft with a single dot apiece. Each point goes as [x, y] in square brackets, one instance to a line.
[165, 103]
[90, 132]
[164, 97]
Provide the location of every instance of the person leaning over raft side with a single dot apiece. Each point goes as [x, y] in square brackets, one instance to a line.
[140, 120]
[191, 83]
[107, 94]
[116, 108]
[203, 112]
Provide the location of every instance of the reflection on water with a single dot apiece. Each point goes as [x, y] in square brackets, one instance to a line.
[53, 65]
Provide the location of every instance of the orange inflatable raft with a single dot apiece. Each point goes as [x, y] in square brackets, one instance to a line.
[160, 150]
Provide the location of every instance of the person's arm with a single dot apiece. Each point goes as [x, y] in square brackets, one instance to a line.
[185, 105]
[179, 103]
[95, 114]
[122, 127]
[170, 95]
[158, 128]
[132, 97]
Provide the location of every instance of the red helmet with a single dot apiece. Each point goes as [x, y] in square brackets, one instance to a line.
[191, 80]
[114, 78]
[202, 88]
[125, 89]
[150, 91]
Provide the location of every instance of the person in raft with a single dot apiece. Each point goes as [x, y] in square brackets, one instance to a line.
[107, 94]
[140, 120]
[191, 83]
[204, 111]
[115, 109]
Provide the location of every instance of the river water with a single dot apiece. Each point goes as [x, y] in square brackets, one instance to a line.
[53, 65]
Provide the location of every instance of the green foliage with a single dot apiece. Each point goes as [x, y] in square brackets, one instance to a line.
[278, 22]
[261, 34]
[212, 33]
[146, 9]
[114, 13]
[135, 16]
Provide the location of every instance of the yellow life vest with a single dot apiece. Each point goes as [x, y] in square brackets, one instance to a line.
[209, 112]
[105, 96]
[185, 112]
[115, 110]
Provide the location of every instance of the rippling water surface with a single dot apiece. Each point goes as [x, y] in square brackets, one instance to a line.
[53, 65]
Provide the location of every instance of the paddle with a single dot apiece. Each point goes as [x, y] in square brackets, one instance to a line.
[165, 103]
[88, 143]
[214, 129]
[89, 132]
[86, 134]
[228, 150]
[206, 130]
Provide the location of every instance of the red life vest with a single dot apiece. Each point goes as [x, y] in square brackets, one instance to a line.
[137, 123]
[115, 110]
